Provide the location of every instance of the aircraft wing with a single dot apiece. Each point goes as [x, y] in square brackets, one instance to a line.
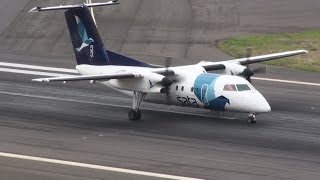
[90, 77]
[210, 66]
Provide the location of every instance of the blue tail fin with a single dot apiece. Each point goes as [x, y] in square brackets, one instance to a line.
[87, 44]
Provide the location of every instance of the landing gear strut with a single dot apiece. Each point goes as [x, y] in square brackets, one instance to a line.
[252, 118]
[135, 113]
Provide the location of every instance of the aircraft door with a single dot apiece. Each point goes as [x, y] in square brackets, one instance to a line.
[204, 94]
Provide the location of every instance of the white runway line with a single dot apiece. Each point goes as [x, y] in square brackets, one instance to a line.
[39, 73]
[109, 104]
[93, 166]
[65, 70]
[286, 81]
[44, 68]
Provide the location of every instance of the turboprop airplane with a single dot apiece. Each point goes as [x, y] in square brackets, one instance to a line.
[188, 86]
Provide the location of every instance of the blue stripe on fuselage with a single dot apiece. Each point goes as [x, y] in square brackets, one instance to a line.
[205, 92]
[204, 87]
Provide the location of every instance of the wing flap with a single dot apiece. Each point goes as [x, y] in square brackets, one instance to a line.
[89, 77]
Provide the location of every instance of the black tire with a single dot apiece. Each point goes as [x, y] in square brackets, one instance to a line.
[252, 120]
[138, 115]
[134, 115]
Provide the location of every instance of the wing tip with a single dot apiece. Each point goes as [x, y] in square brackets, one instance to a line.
[35, 9]
[300, 51]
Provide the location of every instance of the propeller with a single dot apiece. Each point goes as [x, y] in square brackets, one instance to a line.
[166, 82]
[247, 73]
[167, 64]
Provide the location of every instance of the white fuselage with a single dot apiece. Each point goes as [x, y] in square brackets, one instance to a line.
[192, 86]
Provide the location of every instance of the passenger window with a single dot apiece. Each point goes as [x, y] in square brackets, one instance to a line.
[182, 88]
[243, 87]
[191, 89]
[177, 88]
[229, 87]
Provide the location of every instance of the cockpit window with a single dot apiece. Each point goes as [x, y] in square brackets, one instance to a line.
[243, 87]
[229, 87]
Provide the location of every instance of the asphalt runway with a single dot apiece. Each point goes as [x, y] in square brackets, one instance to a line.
[80, 123]
[86, 123]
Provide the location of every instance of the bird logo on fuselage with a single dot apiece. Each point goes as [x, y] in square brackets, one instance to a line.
[83, 34]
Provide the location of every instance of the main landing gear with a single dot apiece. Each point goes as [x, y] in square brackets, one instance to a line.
[252, 118]
[135, 113]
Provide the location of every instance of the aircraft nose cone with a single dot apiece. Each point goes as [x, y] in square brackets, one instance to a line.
[262, 104]
[265, 107]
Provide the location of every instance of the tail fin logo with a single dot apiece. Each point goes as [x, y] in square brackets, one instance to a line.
[83, 34]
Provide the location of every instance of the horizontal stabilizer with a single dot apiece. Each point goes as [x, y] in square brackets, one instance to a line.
[61, 7]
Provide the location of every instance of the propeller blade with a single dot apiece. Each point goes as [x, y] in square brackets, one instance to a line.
[261, 70]
[168, 61]
[248, 54]
[247, 72]
[248, 78]
[166, 82]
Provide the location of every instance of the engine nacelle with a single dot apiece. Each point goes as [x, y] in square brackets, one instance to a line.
[237, 69]
[148, 83]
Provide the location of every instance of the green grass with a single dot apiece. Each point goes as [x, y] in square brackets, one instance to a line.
[272, 43]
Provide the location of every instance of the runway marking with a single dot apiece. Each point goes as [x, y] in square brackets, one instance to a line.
[65, 70]
[45, 68]
[113, 105]
[286, 81]
[39, 73]
[93, 166]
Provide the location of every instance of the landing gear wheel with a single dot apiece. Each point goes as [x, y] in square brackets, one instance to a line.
[134, 115]
[252, 118]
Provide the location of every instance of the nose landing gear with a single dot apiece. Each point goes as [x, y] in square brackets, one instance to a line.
[252, 118]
